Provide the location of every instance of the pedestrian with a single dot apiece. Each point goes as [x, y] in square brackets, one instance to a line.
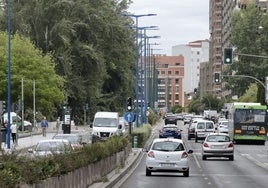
[58, 124]
[44, 126]
[13, 129]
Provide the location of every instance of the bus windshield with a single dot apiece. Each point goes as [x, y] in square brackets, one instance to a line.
[248, 116]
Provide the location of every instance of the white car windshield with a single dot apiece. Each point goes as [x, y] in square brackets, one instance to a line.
[105, 122]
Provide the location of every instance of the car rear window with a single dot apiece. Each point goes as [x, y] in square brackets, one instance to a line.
[168, 146]
[218, 138]
[200, 125]
[209, 125]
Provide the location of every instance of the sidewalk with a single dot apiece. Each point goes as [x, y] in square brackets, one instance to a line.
[29, 139]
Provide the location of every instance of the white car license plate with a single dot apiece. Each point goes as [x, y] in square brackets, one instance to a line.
[167, 164]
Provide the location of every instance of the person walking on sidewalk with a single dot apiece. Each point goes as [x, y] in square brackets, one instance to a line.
[58, 124]
[14, 129]
[44, 125]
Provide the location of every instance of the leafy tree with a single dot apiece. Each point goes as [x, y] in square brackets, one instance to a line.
[176, 109]
[248, 36]
[93, 49]
[28, 63]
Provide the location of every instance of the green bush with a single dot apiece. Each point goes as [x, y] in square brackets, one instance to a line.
[143, 133]
[18, 169]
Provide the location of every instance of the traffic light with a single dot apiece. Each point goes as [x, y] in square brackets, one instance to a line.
[217, 77]
[195, 91]
[129, 104]
[4, 106]
[228, 56]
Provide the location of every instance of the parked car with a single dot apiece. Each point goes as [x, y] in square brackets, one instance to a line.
[218, 145]
[74, 139]
[170, 130]
[167, 155]
[51, 147]
[203, 128]
[170, 119]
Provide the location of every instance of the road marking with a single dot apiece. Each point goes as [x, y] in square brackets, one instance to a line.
[195, 158]
[260, 164]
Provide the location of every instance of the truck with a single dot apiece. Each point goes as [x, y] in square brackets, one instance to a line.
[14, 117]
[210, 114]
[105, 125]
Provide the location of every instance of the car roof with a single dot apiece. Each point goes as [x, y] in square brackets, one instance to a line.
[204, 120]
[224, 134]
[66, 135]
[167, 139]
[53, 140]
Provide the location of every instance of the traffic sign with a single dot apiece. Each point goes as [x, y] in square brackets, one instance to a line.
[129, 117]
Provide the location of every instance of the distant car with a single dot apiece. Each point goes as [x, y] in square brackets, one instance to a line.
[170, 119]
[170, 130]
[191, 131]
[218, 145]
[167, 155]
[51, 147]
[74, 139]
[187, 119]
[223, 127]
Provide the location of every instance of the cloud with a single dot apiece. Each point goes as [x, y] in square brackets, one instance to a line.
[179, 21]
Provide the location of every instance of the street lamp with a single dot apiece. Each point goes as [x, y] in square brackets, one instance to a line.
[145, 73]
[9, 74]
[137, 59]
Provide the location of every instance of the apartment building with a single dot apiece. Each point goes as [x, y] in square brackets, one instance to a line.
[194, 53]
[170, 81]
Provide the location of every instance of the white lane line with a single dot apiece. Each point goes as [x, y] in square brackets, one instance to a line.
[197, 162]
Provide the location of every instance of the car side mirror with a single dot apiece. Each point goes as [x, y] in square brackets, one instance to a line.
[91, 125]
[190, 151]
[144, 150]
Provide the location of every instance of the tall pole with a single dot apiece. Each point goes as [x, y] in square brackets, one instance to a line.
[22, 105]
[34, 110]
[137, 74]
[8, 76]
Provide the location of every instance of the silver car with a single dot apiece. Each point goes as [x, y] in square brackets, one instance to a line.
[218, 145]
[167, 155]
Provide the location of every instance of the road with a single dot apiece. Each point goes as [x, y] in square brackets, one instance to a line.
[249, 169]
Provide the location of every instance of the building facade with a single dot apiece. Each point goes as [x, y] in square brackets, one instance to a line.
[194, 53]
[170, 75]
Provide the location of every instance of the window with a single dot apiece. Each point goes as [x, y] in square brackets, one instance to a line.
[177, 72]
[169, 72]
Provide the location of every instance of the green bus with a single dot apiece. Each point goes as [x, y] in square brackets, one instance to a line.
[248, 122]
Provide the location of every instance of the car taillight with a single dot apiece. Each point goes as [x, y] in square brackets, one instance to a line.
[231, 145]
[184, 154]
[151, 154]
[205, 145]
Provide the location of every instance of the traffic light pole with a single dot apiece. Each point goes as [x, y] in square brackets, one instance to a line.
[245, 76]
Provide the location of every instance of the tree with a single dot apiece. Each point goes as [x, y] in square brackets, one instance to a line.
[89, 41]
[176, 109]
[29, 63]
[248, 38]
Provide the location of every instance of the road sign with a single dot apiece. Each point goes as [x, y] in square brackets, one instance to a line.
[129, 117]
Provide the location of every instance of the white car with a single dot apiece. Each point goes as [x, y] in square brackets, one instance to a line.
[223, 127]
[51, 147]
[167, 155]
[218, 145]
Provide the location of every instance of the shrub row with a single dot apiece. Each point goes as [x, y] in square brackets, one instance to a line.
[17, 169]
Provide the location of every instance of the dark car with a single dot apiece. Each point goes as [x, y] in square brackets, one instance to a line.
[171, 119]
[170, 131]
[191, 131]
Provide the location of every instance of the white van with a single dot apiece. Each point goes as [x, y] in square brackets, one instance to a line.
[203, 128]
[14, 117]
[105, 125]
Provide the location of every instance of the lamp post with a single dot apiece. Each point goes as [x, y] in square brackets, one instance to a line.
[8, 75]
[137, 60]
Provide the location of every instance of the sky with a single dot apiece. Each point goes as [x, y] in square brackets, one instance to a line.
[179, 21]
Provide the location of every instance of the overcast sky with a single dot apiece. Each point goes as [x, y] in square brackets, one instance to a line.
[179, 21]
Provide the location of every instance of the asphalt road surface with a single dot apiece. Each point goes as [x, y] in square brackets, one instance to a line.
[248, 170]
